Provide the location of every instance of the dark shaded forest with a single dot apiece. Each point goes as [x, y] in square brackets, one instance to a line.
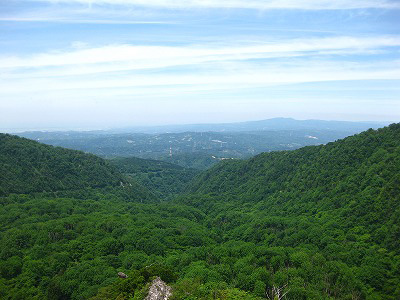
[320, 222]
[164, 179]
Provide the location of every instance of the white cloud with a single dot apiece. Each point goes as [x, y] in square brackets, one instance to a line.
[144, 57]
[249, 4]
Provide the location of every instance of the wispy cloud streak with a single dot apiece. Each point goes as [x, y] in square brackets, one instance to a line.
[81, 21]
[197, 68]
[228, 77]
[247, 4]
[164, 56]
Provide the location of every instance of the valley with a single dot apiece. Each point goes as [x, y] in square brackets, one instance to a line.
[319, 222]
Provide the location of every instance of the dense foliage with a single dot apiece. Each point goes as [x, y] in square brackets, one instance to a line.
[67, 248]
[27, 166]
[341, 201]
[321, 222]
[162, 178]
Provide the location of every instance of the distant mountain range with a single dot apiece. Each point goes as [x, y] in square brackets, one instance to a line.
[269, 124]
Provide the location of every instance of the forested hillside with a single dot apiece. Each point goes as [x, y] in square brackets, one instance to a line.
[28, 167]
[341, 201]
[321, 222]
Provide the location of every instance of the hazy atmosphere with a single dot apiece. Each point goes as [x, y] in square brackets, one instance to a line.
[93, 64]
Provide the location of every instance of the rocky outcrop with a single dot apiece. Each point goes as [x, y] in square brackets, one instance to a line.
[122, 275]
[159, 290]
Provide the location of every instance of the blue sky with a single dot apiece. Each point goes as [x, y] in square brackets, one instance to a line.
[88, 64]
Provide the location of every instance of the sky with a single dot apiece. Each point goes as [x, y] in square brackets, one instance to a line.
[98, 64]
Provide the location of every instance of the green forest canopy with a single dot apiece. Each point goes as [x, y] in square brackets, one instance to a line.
[321, 222]
[30, 167]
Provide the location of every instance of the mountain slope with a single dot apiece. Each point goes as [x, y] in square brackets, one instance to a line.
[359, 174]
[27, 167]
[369, 160]
[341, 200]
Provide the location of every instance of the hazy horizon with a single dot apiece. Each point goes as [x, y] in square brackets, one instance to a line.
[127, 127]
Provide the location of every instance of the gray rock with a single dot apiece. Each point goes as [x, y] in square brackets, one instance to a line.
[159, 290]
